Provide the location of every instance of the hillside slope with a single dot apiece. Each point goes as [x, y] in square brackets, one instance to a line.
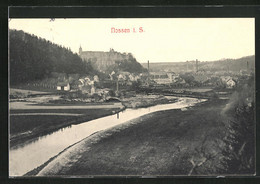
[219, 65]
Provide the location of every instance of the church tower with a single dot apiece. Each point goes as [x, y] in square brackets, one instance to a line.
[80, 50]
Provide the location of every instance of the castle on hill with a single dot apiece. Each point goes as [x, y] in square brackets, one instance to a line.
[102, 60]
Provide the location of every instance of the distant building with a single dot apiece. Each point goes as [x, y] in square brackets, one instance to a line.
[225, 78]
[93, 90]
[231, 83]
[228, 81]
[96, 79]
[102, 60]
[63, 86]
[163, 77]
[133, 77]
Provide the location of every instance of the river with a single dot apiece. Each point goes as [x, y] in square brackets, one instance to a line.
[26, 157]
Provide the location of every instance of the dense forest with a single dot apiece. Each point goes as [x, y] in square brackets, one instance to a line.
[34, 58]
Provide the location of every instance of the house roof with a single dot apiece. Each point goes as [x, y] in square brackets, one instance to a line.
[158, 73]
[123, 72]
[62, 83]
[231, 80]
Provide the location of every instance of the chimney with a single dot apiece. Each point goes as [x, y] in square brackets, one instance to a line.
[197, 66]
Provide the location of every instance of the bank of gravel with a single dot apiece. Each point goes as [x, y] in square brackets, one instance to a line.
[140, 101]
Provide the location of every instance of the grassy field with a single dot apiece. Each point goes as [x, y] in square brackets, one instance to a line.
[172, 142]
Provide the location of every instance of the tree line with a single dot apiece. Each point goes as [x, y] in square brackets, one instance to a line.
[228, 65]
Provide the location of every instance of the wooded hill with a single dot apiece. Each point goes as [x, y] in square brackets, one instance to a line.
[127, 65]
[33, 58]
[219, 65]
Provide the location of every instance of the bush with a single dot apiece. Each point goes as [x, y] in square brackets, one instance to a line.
[240, 140]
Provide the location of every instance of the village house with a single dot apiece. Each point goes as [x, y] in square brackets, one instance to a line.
[133, 77]
[63, 86]
[123, 76]
[96, 79]
[230, 83]
[178, 82]
[173, 77]
[87, 86]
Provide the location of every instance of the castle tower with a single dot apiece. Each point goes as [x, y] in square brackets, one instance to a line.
[80, 50]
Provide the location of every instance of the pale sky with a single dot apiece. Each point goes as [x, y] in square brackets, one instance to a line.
[163, 39]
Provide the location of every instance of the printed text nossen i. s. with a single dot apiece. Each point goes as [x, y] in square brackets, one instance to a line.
[127, 30]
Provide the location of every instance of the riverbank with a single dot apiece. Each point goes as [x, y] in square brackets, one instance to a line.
[172, 142]
[35, 116]
[27, 125]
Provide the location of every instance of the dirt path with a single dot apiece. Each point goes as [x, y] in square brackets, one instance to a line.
[172, 142]
[26, 92]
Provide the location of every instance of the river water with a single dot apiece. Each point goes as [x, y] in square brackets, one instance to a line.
[26, 157]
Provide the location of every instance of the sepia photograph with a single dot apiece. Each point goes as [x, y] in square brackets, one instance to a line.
[131, 97]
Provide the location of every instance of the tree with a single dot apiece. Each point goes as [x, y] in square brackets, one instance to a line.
[189, 79]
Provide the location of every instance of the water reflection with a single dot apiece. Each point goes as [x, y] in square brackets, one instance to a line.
[34, 153]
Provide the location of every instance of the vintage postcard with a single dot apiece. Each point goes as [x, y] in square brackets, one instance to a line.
[131, 97]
